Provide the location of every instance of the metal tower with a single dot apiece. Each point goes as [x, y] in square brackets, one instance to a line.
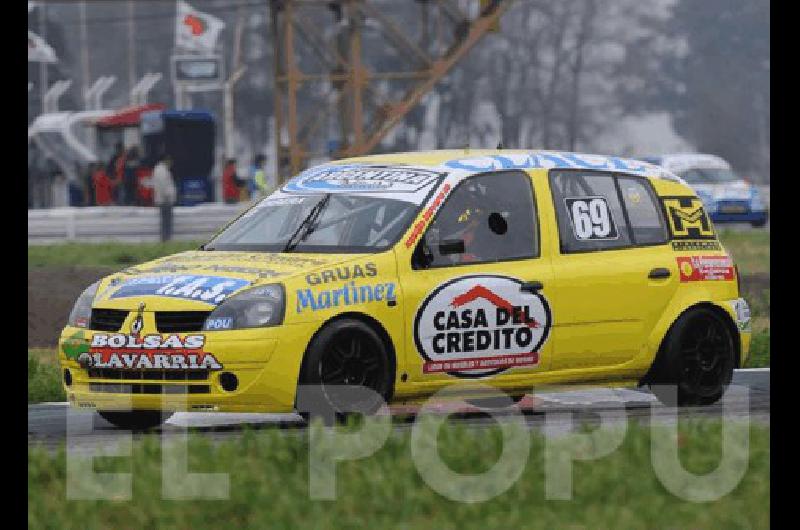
[347, 71]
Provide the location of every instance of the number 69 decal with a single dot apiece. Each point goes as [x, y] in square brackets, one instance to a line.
[591, 218]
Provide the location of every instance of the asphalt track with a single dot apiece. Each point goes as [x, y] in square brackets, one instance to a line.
[750, 395]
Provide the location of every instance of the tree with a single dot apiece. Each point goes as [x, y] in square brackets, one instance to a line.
[708, 65]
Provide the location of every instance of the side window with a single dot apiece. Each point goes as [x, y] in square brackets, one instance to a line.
[590, 216]
[644, 215]
[489, 217]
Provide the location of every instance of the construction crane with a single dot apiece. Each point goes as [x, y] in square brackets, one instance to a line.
[348, 71]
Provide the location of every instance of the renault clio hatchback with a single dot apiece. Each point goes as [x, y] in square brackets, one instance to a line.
[407, 273]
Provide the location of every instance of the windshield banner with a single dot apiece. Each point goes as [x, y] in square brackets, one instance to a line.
[391, 182]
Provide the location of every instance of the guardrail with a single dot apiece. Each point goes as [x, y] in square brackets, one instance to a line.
[139, 224]
[126, 223]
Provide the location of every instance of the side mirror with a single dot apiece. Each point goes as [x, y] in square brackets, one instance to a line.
[451, 246]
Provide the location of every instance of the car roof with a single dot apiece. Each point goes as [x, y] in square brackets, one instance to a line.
[474, 161]
[682, 161]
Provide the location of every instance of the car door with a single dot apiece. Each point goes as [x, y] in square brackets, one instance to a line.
[474, 306]
[615, 271]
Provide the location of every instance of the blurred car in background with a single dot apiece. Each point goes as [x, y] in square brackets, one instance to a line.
[727, 197]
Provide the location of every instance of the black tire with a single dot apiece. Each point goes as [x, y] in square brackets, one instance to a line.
[759, 224]
[493, 402]
[345, 353]
[135, 420]
[698, 356]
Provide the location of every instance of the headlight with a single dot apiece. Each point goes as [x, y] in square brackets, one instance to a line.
[82, 310]
[254, 308]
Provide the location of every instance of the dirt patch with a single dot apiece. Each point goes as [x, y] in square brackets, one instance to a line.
[52, 291]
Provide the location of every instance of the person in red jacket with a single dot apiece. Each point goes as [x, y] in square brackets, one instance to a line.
[102, 186]
[231, 183]
[145, 185]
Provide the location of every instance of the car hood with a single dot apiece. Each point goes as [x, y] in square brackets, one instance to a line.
[201, 280]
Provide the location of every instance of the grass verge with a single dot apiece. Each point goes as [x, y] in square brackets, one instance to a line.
[269, 486]
[44, 377]
[749, 248]
[759, 350]
[103, 254]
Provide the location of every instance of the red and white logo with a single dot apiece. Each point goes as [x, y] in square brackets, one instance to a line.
[481, 325]
[196, 31]
[131, 352]
[703, 268]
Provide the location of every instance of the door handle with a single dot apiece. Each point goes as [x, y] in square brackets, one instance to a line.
[658, 273]
[531, 287]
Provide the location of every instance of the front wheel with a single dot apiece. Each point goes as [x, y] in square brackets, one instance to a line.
[696, 359]
[343, 356]
[135, 420]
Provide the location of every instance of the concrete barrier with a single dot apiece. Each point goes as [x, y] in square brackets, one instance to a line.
[126, 223]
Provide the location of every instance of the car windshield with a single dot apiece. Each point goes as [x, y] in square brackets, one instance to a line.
[709, 176]
[335, 222]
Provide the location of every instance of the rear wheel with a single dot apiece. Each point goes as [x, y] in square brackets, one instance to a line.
[697, 357]
[135, 420]
[344, 355]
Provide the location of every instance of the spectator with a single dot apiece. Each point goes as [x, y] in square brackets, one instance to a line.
[114, 173]
[258, 178]
[89, 196]
[144, 175]
[231, 183]
[164, 194]
[130, 178]
[102, 186]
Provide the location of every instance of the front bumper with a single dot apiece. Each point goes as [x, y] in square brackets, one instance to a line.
[745, 338]
[266, 364]
[745, 217]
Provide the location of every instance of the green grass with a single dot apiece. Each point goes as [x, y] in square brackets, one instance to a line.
[269, 487]
[750, 249]
[44, 377]
[103, 254]
[759, 350]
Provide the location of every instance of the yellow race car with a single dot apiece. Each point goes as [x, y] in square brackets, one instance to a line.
[406, 273]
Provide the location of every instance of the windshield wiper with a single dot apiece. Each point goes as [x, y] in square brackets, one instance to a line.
[307, 226]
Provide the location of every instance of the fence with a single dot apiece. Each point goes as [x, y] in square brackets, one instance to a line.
[137, 224]
[126, 223]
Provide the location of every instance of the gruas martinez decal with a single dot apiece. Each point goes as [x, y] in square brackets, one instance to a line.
[342, 273]
[173, 352]
[348, 294]
[481, 325]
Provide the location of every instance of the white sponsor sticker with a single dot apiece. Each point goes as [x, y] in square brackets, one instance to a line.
[481, 325]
